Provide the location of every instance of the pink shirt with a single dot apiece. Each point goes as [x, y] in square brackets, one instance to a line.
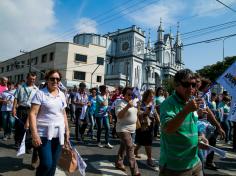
[3, 88]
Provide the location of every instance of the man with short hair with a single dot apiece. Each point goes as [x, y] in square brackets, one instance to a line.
[80, 100]
[22, 103]
[179, 139]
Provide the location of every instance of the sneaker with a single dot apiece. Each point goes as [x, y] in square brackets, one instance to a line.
[120, 167]
[10, 136]
[211, 166]
[4, 138]
[100, 145]
[109, 146]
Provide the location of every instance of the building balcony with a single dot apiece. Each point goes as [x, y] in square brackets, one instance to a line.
[169, 69]
[118, 76]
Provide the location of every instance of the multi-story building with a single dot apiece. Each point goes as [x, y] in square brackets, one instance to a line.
[131, 63]
[77, 63]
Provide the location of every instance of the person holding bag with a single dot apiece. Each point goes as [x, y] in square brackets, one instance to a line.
[126, 124]
[147, 117]
[48, 123]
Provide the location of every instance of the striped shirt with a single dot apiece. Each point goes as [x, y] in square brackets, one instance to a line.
[179, 150]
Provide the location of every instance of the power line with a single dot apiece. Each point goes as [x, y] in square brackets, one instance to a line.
[104, 19]
[210, 40]
[95, 17]
[226, 5]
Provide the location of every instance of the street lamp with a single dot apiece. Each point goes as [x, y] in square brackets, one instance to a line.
[26, 52]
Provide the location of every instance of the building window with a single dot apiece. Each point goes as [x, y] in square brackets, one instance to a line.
[2, 69]
[34, 61]
[12, 67]
[22, 64]
[79, 75]
[9, 78]
[51, 57]
[100, 60]
[99, 78]
[80, 58]
[44, 58]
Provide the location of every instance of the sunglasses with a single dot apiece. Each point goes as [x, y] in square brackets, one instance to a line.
[53, 79]
[129, 94]
[188, 84]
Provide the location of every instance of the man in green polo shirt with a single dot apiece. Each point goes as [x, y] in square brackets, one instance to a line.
[179, 133]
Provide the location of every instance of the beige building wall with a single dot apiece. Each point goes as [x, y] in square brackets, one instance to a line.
[92, 52]
[61, 56]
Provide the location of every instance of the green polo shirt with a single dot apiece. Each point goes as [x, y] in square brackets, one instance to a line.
[179, 150]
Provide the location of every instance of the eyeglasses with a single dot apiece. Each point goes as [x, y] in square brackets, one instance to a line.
[53, 79]
[129, 94]
[188, 84]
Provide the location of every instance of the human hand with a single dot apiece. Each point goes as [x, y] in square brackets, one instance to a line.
[130, 104]
[193, 105]
[36, 140]
[26, 126]
[222, 133]
[203, 142]
[201, 112]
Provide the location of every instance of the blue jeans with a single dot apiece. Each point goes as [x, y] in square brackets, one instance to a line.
[49, 153]
[8, 122]
[92, 122]
[106, 123]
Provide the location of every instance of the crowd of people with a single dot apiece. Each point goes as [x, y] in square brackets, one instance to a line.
[186, 121]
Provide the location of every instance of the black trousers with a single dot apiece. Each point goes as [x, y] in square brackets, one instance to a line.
[212, 142]
[22, 114]
[80, 125]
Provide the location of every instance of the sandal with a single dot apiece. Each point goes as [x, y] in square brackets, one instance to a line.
[122, 168]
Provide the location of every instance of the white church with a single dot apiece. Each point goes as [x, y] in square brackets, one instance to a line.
[132, 61]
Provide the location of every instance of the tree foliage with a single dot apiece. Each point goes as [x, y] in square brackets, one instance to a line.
[215, 70]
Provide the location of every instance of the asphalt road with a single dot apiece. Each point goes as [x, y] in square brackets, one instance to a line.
[100, 161]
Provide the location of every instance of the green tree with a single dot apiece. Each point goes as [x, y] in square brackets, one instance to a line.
[213, 71]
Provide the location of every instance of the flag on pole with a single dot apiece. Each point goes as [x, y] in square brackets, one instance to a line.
[228, 80]
[21, 150]
[81, 164]
[232, 113]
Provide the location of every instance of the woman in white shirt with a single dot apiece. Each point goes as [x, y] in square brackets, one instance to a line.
[126, 124]
[48, 123]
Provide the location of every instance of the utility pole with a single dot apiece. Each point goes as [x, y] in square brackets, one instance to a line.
[91, 84]
[26, 52]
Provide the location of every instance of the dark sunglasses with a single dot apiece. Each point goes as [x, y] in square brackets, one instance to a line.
[53, 79]
[188, 84]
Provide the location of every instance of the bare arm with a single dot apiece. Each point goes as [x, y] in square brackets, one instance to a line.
[67, 130]
[213, 121]
[14, 107]
[33, 126]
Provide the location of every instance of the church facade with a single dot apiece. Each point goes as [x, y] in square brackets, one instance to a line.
[131, 61]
